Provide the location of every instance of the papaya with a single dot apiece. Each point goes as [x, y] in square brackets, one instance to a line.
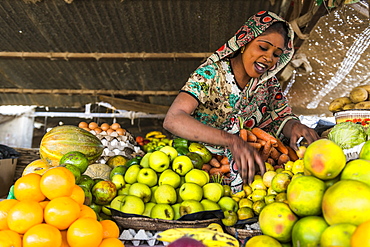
[67, 138]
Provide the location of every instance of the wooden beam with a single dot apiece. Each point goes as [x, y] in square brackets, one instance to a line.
[106, 56]
[131, 105]
[86, 91]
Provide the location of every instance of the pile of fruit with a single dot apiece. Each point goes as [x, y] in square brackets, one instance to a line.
[328, 204]
[358, 99]
[49, 210]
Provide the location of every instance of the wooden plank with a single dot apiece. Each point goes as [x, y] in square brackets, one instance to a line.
[131, 105]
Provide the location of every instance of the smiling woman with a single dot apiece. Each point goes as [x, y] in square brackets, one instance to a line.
[237, 88]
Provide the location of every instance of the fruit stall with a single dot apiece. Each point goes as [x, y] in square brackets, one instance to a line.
[99, 185]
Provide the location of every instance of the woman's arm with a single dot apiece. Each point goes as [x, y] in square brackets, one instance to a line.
[294, 129]
[180, 122]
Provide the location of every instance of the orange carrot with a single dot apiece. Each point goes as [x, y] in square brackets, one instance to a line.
[266, 150]
[206, 167]
[281, 147]
[218, 157]
[284, 158]
[274, 153]
[271, 161]
[243, 134]
[224, 161]
[292, 154]
[263, 142]
[221, 170]
[255, 145]
[251, 137]
[260, 133]
[214, 162]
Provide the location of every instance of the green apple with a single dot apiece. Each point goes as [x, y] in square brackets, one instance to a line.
[227, 203]
[165, 194]
[147, 176]
[116, 203]
[140, 190]
[124, 190]
[131, 174]
[118, 180]
[144, 162]
[132, 205]
[169, 177]
[170, 151]
[162, 211]
[230, 218]
[159, 161]
[153, 189]
[176, 210]
[191, 191]
[207, 175]
[196, 176]
[209, 205]
[227, 190]
[148, 208]
[190, 207]
[182, 165]
[106, 210]
[213, 191]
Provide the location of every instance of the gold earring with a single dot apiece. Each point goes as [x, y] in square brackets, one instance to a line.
[242, 49]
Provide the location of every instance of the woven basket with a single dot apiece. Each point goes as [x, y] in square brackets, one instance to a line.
[242, 234]
[149, 224]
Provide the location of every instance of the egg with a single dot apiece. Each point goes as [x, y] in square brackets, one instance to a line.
[115, 126]
[93, 125]
[109, 131]
[104, 126]
[98, 130]
[83, 125]
[121, 131]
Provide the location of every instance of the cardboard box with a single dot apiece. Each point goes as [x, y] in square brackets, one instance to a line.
[7, 170]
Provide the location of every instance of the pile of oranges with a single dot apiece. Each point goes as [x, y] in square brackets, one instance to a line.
[49, 211]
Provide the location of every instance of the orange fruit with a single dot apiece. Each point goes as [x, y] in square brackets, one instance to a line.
[57, 182]
[360, 237]
[78, 194]
[111, 242]
[61, 212]
[87, 212]
[85, 232]
[5, 206]
[305, 194]
[24, 215]
[38, 166]
[110, 229]
[262, 241]
[42, 235]
[9, 238]
[64, 239]
[27, 187]
[347, 201]
[324, 159]
[307, 231]
[44, 203]
[277, 220]
[337, 235]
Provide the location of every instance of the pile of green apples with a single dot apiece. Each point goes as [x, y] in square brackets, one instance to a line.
[165, 184]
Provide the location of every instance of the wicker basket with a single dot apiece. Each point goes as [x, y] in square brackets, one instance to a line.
[242, 234]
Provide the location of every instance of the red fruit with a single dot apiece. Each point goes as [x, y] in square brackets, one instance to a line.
[186, 242]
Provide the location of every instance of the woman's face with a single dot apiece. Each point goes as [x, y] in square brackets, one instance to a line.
[262, 53]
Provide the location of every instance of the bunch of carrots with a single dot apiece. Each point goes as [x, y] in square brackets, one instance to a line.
[271, 149]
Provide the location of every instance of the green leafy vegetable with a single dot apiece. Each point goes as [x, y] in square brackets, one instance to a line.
[347, 134]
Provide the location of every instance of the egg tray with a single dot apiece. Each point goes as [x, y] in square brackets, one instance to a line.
[140, 237]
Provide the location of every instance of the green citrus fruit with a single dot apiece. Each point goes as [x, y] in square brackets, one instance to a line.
[116, 160]
[86, 181]
[277, 220]
[307, 231]
[337, 235]
[75, 170]
[347, 201]
[324, 159]
[280, 182]
[358, 169]
[305, 194]
[75, 158]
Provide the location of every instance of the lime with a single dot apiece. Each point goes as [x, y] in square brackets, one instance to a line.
[86, 181]
[75, 158]
[76, 172]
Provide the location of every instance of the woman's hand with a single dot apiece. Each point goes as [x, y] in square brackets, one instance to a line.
[246, 158]
[294, 130]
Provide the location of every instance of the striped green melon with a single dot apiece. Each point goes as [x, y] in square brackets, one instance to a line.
[67, 138]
